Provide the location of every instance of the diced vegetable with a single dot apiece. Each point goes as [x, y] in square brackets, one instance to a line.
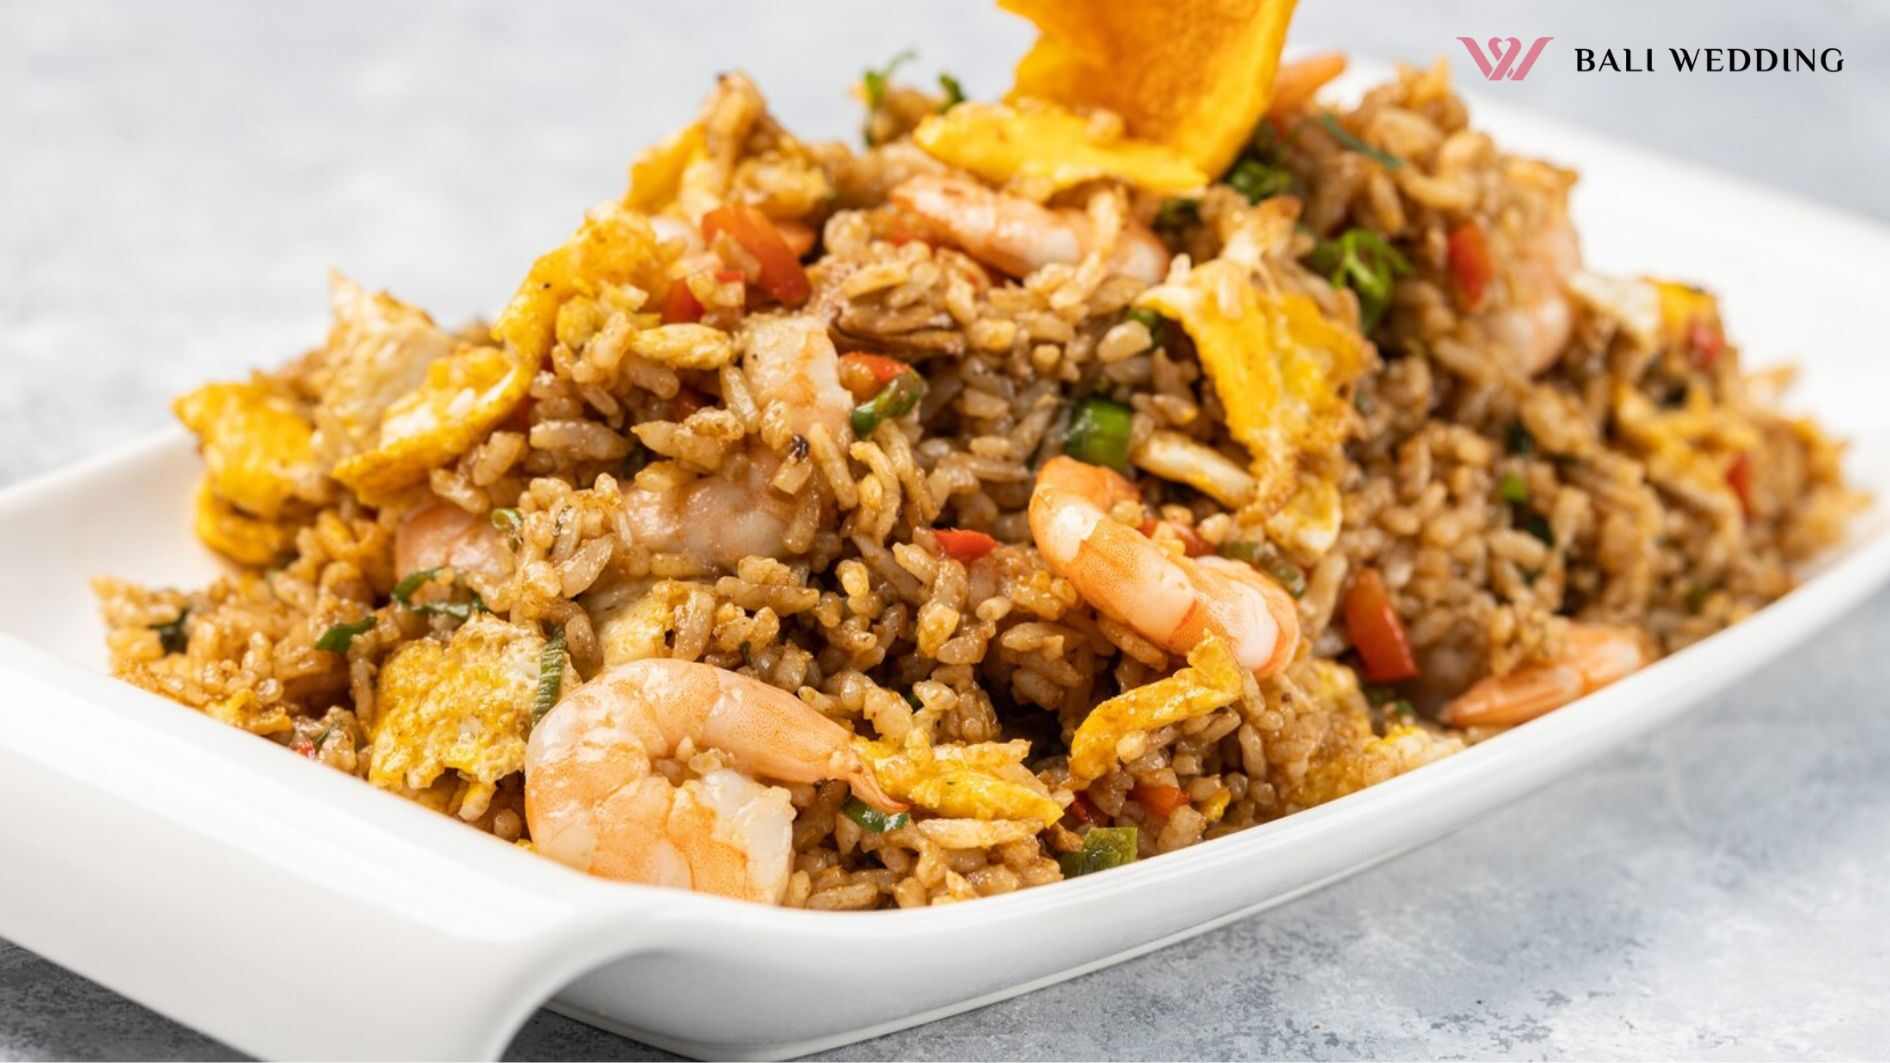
[781, 274]
[679, 304]
[1362, 260]
[895, 400]
[864, 374]
[954, 92]
[1158, 798]
[1470, 266]
[171, 634]
[874, 80]
[1705, 341]
[964, 544]
[1082, 811]
[413, 581]
[1739, 478]
[1376, 631]
[1513, 488]
[1400, 711]
[550, 677]
[1351, 143]
[339, 637]
[1519, 440]
[507, 520]
[1537, 525]
[1099, 433]
[1176, 215]
[871, 819]
[1257, 180]
[1103, 848]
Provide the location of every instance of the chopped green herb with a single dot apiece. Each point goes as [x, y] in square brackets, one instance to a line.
[1257, 180]
[1155, 323]
[898, 398]
[1099, 433]
[403, 593]
[338, 638]
[1352, 143]
[550, 677]
[413, 581]
[1103, 848]
[1513, 488]
[872, 820]
[1176, 215]
[913, 700]
[954, 92]
[875, 80]
[171, 634]
[1519, 440]
[1401, 711]
[1378, 694]
[1364, 261]
[322, 739]
[507, 520]
[1537, 525]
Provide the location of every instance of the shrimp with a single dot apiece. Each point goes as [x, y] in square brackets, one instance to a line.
[1297, 82]
[1172, 601]
[1596, 655]
[1021, 237]
[1535, 323]
[786, 360]
[595, 799]
[440, 534]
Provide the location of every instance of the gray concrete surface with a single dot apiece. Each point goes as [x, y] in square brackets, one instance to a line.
[176, 178]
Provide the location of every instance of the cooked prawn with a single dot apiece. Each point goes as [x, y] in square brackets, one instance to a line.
[439, 534]
[1297, 82]
[1021, 237]
[720, 519]
[596, 801]
[1595, 656]
[1533, 325]
[1172, 601]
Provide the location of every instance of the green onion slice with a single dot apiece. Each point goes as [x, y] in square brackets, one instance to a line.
[1352, 143]
[899, 397]
[339, 637]
[171, 634]
[550, 677]
[872, 820]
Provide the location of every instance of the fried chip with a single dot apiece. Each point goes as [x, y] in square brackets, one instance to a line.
[1283, 371]
[257, 446]
[613, 246]
[1040, 148]
[1195, 75]
[463, 397]
[464, 706]
[1212, 680]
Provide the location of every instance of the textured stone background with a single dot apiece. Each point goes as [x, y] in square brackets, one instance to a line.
[176, 178]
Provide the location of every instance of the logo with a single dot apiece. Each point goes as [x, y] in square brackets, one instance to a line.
[1510, 61]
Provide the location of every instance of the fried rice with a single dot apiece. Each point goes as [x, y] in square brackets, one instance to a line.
[1631, 475]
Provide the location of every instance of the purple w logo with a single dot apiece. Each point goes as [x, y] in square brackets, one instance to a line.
[1507, 52]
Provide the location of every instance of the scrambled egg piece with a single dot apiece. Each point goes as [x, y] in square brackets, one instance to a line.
[641, 629]
[1352, 758]
[243, 709]
[1682, 308]
[256, 444]
[462, 398]
[1039, 148]
[656, 177]
[378, 351]
[465, 705]
[1281, 369]
[613, 246]
[1308, 524]
[240, 537]
[1195, 75]
[1693, 447]
[985, 780]
[1212, 680]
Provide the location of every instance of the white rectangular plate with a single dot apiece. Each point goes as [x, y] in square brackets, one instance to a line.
[295, 912]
